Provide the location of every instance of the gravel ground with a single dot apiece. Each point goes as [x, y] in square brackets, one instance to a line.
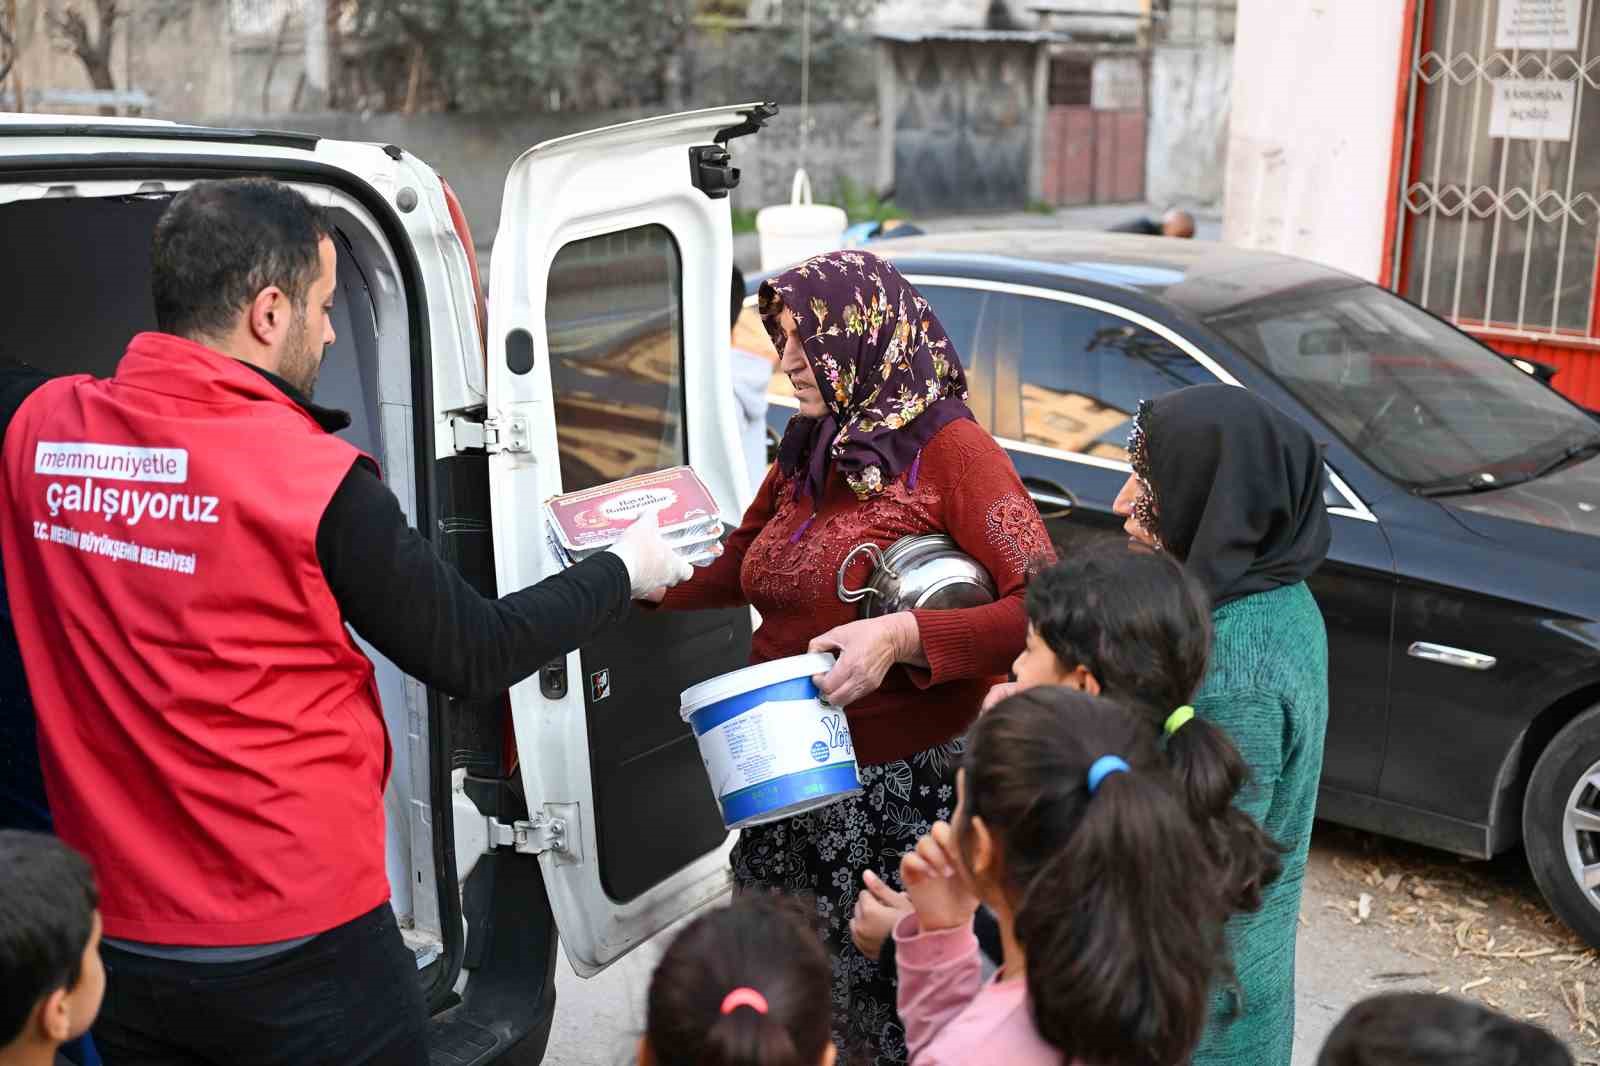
[1379, 915]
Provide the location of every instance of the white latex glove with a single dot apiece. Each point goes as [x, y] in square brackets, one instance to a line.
[652, 564]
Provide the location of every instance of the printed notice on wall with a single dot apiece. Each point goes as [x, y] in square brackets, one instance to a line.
[1537, 25]
[1532, 109]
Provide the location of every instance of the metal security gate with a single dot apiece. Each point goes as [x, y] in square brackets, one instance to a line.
[1498, 213]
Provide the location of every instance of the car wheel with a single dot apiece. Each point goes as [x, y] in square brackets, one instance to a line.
[1561, 824]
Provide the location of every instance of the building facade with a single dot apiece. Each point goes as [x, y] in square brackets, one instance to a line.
[1447, 149]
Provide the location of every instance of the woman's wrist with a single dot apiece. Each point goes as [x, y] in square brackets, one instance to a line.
[908, 640]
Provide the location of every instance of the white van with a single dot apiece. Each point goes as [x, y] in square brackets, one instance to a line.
[576, 804]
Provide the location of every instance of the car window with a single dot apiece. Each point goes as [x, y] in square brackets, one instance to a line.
[614, 314]
[960, 311]
[1071, 377]
[1424, 403]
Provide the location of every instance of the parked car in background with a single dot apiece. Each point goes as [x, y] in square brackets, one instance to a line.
[1462, 593]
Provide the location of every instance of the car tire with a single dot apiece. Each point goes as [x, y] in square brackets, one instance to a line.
[1561, 824]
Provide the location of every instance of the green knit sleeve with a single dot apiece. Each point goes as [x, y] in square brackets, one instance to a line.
[1256, 722]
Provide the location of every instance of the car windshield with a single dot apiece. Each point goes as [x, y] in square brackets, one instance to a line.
[1421, 401]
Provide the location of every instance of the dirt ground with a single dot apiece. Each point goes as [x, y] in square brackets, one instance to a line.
[1380, 915]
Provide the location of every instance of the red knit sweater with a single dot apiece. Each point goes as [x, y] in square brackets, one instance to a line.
[965, 487]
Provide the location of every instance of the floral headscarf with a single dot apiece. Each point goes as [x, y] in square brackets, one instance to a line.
[888, 373]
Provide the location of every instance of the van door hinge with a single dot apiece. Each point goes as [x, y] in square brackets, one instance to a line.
[492, 435]
[554, 829]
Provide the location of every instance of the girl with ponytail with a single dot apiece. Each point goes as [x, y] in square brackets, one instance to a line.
[1133, 626]
[743, 985]
[1109, 909]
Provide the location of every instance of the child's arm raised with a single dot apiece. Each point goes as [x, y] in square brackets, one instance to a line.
[936, 952]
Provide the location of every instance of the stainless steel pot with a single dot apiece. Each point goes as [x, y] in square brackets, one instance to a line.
[926, 572]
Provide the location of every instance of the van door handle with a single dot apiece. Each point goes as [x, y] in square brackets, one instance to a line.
[1053, 500]
[1439, 653]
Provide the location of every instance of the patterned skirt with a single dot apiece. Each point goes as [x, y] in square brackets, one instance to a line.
[822, 855]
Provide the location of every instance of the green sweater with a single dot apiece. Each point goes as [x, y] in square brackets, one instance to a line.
[1268, 687]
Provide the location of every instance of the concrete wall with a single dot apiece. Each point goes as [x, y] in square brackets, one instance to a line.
[176, 64]
[473, 152]
[1191, 89]
[1312, 129]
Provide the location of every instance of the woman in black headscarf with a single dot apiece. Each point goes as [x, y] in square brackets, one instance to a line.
[1232, 487]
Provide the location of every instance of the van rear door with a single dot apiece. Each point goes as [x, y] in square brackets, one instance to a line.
[608, 356]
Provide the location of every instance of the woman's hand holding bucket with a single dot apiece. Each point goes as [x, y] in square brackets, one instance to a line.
[865, 651]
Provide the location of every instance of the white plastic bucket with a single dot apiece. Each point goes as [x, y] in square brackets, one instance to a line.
[772, 748]
[799, 229]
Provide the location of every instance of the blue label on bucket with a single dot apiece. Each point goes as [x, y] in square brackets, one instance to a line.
[709, 717]
[819, 751]
[787, 790]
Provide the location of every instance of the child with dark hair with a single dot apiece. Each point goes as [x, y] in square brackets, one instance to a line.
[1109, 909]
[1135, 627]
[1422, 1029]
[51, 978]
[743, 985]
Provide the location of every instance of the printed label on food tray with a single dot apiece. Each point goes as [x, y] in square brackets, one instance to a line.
[771, 740]
[596, 517]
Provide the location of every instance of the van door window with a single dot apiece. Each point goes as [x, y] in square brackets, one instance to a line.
[613, 313]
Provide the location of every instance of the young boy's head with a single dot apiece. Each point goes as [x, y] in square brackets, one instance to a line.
[1422, 1029]
[51, 979]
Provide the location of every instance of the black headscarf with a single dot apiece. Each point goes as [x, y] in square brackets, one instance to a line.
[1234, 489]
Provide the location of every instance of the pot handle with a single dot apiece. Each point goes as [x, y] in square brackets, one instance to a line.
[873, 552]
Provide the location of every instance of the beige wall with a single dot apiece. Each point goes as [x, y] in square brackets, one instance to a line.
[183, 66]
[1312, 129]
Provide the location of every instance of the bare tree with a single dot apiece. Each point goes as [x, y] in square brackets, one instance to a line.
[72, 33]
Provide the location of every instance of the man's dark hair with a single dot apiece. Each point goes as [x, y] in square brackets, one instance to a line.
[47, 904]
[737, 295]
[219, 243]
[1423, 1029]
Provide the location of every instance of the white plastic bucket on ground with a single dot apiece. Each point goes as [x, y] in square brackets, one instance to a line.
[799, 229]
[771, 746]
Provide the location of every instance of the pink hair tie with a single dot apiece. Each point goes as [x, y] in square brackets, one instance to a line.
[744, 997]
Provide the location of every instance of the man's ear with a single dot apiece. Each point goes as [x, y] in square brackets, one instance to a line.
[54, 1020]
[269, 315]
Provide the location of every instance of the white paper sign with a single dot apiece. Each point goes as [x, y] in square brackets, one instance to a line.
[1532, 109]
[1536, 25]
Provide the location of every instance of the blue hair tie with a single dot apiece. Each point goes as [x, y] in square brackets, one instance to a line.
[1104, 767]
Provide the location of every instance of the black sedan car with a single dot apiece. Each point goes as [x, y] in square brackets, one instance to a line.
[1462, 594]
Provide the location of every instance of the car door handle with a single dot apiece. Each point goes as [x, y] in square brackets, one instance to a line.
[1439, 653]
[1053, 500]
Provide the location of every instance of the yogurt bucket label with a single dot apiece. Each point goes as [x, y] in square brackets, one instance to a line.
[771, 757]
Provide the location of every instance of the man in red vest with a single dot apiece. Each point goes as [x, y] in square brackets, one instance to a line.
[184, 544]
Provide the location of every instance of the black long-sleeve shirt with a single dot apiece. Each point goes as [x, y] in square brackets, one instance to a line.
[414, 607]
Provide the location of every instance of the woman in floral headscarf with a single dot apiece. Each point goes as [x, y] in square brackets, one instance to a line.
[883, 447]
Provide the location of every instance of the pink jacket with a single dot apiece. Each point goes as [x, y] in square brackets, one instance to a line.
[952, 1017]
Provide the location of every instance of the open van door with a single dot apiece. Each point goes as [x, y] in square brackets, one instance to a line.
[608, 356]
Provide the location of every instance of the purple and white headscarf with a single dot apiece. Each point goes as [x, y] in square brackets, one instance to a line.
[887, 371]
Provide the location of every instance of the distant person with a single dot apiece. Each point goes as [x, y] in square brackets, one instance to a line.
[51, 977]
[743, 985]
[1422, 1029]
[1174, 223]
[751, 373]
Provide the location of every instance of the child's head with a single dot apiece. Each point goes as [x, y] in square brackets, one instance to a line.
[743, 985]
[1423, 1029]
[1135, 627]
[50, 967]
[1078, 834]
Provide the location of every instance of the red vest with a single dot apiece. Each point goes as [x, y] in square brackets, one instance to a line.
[210, 735]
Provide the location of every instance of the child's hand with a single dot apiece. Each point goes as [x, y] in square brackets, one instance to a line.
[877, 911]
[1000, 692]
[937, 882]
